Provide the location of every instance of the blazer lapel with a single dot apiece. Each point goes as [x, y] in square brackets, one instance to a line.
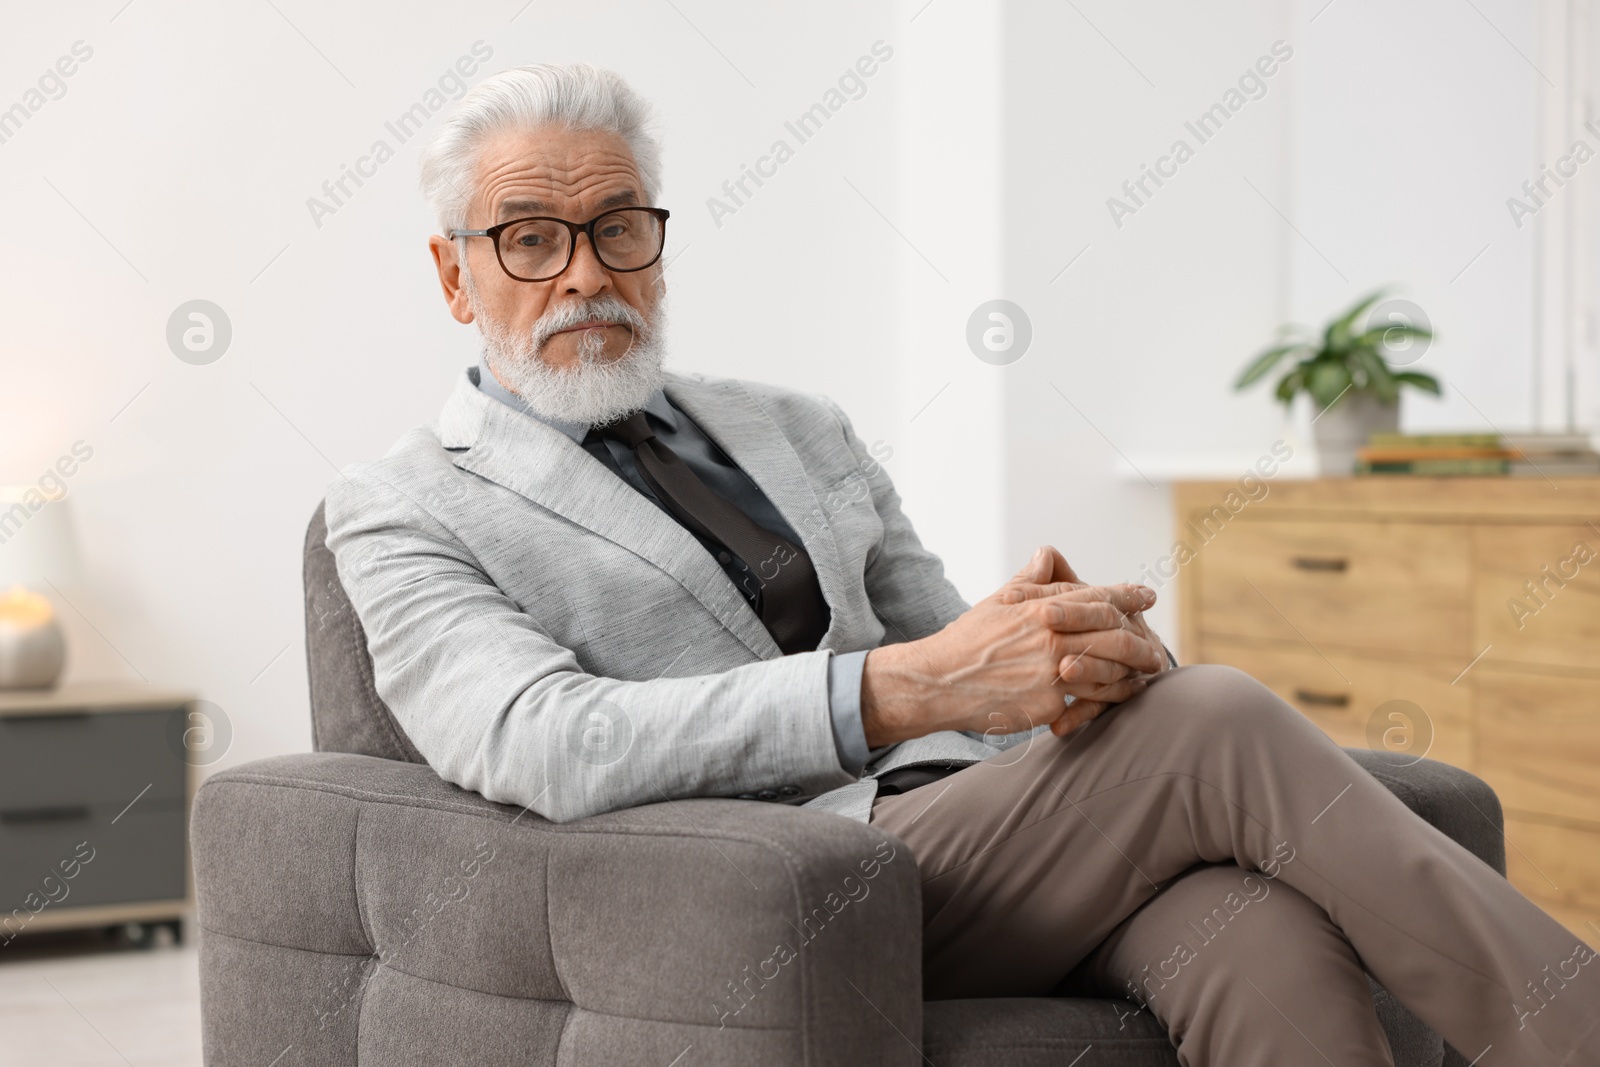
[727, 413]
[553, 471]
[550, 469]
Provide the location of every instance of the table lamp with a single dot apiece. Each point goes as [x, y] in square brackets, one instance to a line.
[36, 543]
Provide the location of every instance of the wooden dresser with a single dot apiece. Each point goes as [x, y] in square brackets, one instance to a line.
[1457, 617]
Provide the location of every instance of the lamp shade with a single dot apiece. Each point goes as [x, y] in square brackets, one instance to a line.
[36, 538]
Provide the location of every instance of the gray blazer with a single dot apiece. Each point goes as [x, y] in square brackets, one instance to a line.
[549, 638]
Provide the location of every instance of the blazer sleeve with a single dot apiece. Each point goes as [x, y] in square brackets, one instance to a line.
[905, 582]
[497, 706]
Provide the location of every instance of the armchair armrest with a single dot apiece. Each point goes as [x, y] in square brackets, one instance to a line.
[1457, 802]
[363, 910]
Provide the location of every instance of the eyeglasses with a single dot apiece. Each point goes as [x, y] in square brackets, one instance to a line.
[540, 248]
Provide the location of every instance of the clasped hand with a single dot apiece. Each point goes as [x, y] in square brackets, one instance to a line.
[1109, 656]
[1013, 660]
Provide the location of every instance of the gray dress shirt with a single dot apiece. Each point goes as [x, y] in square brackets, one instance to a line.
[713, 466]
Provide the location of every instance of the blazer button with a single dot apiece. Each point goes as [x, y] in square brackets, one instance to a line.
[790, 790]
[767, 794]
[723, 557]
[747, 796]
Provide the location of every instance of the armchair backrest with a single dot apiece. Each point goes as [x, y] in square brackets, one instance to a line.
[347, 714]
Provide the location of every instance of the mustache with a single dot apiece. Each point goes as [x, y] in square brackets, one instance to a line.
[604, 308]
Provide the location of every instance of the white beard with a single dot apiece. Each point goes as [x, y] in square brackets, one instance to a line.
[597, 390]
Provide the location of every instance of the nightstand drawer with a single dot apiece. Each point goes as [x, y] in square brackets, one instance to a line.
[1538, 594]
[1539, 742]
[1403, 706]
[1385, 586]
[53, 760]
[138, 857]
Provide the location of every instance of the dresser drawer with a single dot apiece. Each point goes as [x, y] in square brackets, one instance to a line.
[1581, 920]
[1390, 586]
[135, 855]
[1539, 742]
[1537, 594]
[1551, 862]
[53, 760]
[1401, 706]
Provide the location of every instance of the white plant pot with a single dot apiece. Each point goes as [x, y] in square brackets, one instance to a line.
[1343, 428]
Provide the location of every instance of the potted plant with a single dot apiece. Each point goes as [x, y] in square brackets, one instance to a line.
[1353, 386]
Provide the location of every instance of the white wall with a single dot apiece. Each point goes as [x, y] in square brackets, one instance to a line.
[1381, 153]
[1415, 123]
[179, 161]
[1137, 343]
[192, 138]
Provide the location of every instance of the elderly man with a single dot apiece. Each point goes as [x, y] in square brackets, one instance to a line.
[593, 584]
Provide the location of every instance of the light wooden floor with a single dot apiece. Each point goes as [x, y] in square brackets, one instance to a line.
[65, 1007]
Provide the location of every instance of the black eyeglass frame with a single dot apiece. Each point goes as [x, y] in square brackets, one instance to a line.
[661, 214]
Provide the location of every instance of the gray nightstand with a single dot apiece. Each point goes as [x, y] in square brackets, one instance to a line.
[94, 808]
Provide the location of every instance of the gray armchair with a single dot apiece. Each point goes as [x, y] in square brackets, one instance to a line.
[356, 909]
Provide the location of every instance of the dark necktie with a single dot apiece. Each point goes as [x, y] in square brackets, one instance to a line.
[792, 607]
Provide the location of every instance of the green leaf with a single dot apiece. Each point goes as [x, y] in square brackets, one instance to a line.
[1381, 335]
[1266, 361]
[1391, 339]
[1379, 378]
[1361, 306]
[1326, 381]
[1291, 383]
[1338, 332]
[1426, 382]
[1342, 360]
[1375, 373]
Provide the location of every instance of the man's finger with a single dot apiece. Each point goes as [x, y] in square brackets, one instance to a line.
[1085, 674]
[1086, 709]
[1123, 600]
[1117, 692]
[1060, 569]
[1119, 646]
[1080, 712]
[1045, 567]
[1126, 598]
[1036, 571]
[1046, 573]
[1069, 616]
[1018, 592]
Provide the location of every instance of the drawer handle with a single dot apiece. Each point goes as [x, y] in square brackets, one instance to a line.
[1312, 563]
[46, 718]
[63, 813]
[1322, 700]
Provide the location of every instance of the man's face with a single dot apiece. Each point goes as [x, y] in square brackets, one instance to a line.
[569, 174]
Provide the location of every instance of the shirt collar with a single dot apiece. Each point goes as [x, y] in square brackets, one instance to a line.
[658, 405]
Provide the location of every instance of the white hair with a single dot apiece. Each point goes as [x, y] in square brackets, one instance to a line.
[577, 96]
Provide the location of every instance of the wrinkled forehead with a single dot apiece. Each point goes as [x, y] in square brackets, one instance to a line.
[554, 170]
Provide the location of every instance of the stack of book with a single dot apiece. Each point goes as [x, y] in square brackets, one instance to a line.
[1434, 454]
[1536, 455]
[1552, 455]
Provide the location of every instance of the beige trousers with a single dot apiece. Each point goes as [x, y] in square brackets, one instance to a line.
[1206, 852]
